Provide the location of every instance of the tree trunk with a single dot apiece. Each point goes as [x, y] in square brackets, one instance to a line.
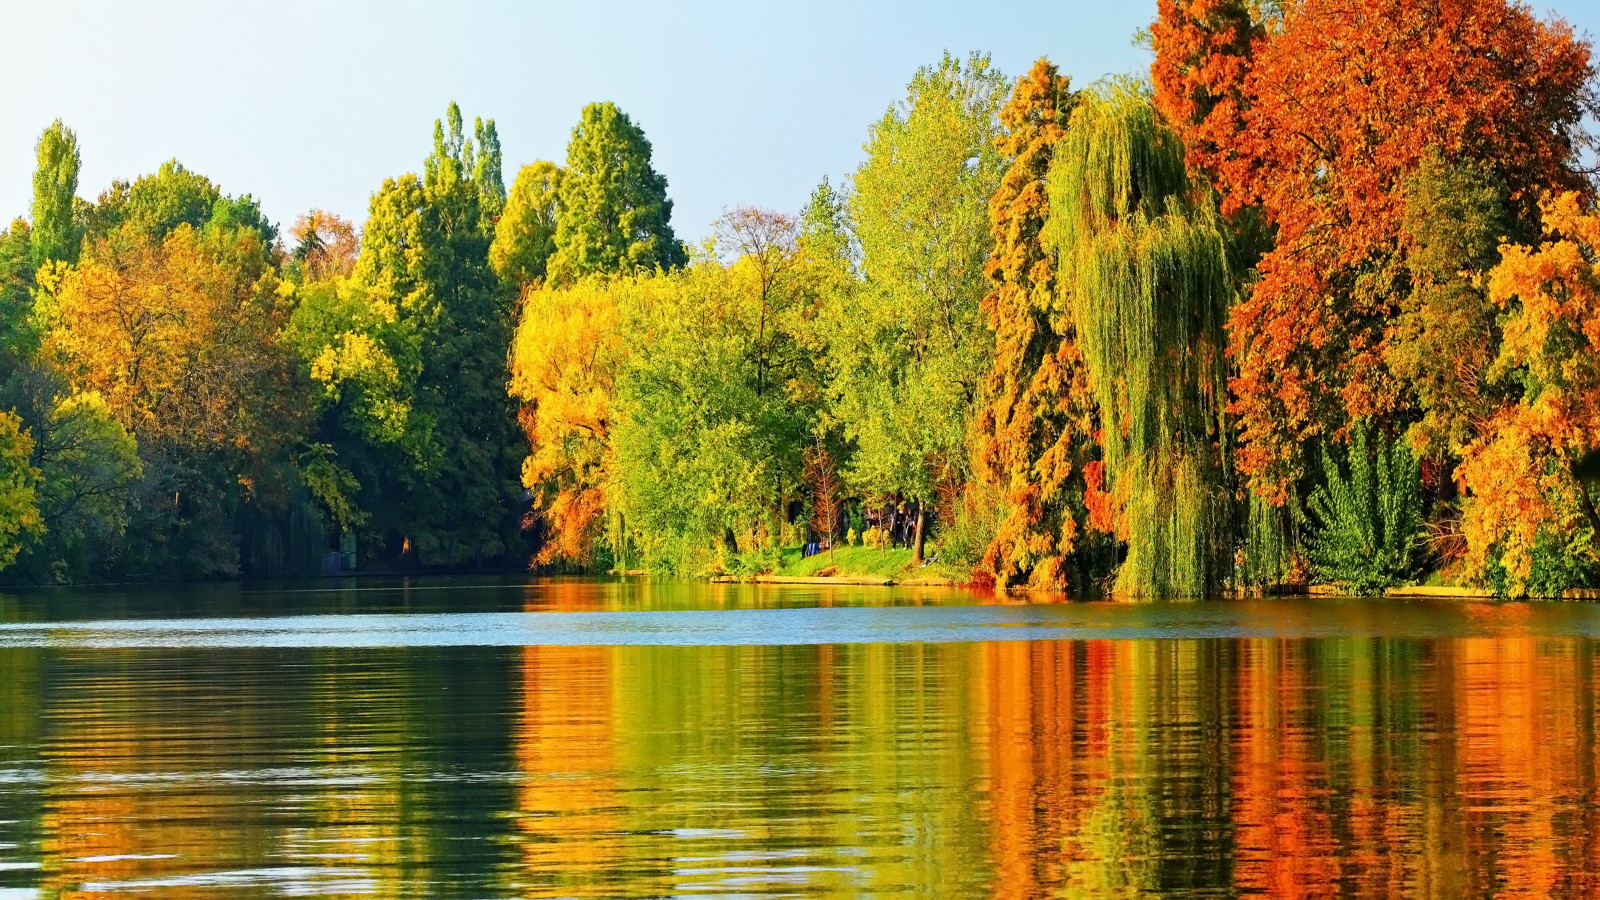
[730, 541]
[920, 534]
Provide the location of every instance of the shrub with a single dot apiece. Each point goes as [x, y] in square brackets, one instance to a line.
[1366, 519]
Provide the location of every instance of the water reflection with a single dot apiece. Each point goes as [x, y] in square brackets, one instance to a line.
[1368, 766]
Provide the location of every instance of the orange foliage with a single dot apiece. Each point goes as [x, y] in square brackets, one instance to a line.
[327, 245]
[1340, 103]
[1519, 474]
[563, 369]
[1032, 435]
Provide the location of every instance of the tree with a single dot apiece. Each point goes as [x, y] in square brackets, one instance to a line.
[708, 441]
[1519, 473]
[326, 246]
[1319, 124]
[1035, 431]
[1143, 255]
[56, 234]
[525, 236]
[19, 514]
[910, 356]
[89, 470]
[447, 487]
[615, 215]
[178, 336]
[564, 364]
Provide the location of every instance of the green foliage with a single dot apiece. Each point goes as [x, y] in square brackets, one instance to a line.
[1144, 257]
[56, 235]
[1269, 542]
[1366, 518]
[18, 336]
[525, 236]
[1560, 562]
[89, 469]
[19, 480]
[908, 348]
[615, 215]
[703, 453]
[426, 357]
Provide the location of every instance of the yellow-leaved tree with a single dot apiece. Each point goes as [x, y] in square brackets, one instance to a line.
[1523, 493]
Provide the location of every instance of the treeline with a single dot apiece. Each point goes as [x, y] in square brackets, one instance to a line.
[1317, 301]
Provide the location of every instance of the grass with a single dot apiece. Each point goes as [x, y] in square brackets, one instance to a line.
[859, 562]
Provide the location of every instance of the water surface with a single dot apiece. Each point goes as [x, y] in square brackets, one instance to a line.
[584, 739]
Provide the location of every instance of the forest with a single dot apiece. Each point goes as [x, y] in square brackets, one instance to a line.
[1316, 300]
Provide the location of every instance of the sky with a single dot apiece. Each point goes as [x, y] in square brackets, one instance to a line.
[312, 103]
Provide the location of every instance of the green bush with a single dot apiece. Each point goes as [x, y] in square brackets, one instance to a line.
[1366, 519]
[1557, 566]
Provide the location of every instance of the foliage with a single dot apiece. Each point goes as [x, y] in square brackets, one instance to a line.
[709, 435]
[564, 363]
[444, 319]
[56, 233]
[326, 246]
[1144, 258]
[19, 514]
[1319, 124]
[89, 470]
[1035, 433]
[907, 372]
[525, 236]
[615, 215]
[1519, 473]
[1555, 565]
[1367, 516]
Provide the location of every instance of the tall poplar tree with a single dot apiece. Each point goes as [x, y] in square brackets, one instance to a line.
[1144, 257]
[615, 215]
[55, 185]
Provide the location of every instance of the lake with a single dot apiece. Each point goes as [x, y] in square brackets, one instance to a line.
[521, 738]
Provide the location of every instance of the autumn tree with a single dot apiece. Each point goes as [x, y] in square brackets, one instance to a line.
[177, 334]
[564, 363]
[1035, 434]
[1519, 473]
[910, 354]
[1319, 125]
[615, 215]
[1143, 256]
[525, 236]
[325, 246]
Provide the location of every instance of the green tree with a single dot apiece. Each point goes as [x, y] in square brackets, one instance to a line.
[1144, 257]
[56, 235]
[447, 485]
[615, 215]
[19, 512]
[911, 351]
[89, 471]
[525, 236]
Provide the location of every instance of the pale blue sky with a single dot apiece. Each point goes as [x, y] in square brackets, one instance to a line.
[312, 103]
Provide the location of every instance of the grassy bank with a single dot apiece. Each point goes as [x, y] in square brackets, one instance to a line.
[862, 562]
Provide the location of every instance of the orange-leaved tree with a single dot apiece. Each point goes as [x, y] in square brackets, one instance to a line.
[1519, 475]
[1034, 436]
[1318, 124]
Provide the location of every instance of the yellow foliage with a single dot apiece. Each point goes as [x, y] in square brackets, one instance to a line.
[1518, 475]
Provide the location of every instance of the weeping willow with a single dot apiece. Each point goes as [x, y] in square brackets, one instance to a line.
[1144, 262]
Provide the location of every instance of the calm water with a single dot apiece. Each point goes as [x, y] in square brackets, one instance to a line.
[580, 739]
